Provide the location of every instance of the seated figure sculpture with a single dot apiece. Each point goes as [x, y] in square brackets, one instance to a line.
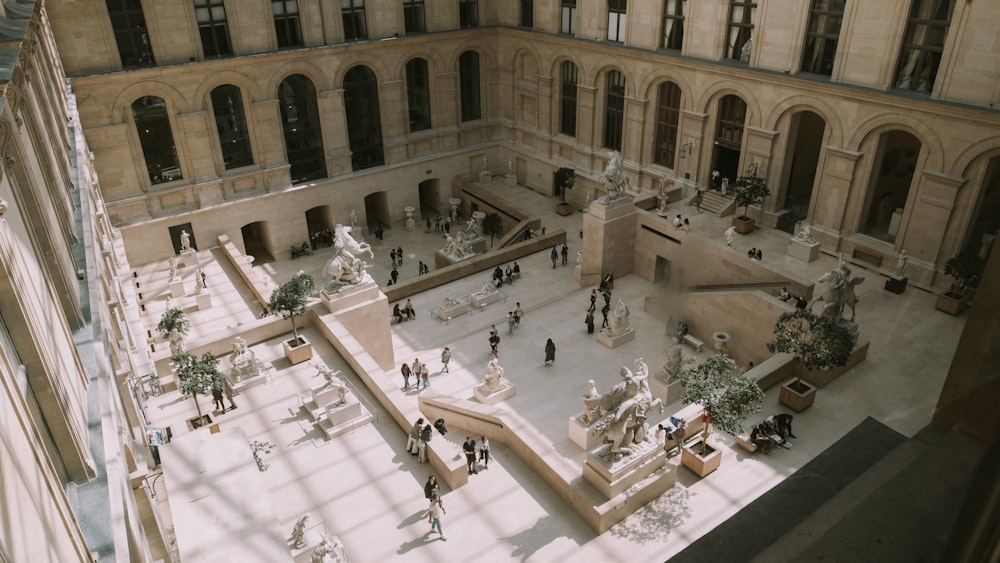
[493, 381]
[245, 363]
[624, 408]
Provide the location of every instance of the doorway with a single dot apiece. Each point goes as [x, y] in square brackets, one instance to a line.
[805, 139]
[429, 192]
[377, 210]
[661, 272]
[257, 242]
[889, 186]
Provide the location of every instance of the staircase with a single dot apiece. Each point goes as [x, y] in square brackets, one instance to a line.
[717, 204]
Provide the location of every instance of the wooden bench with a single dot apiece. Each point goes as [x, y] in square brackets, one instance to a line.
[868, 255]
[744, 441]
[693, 342]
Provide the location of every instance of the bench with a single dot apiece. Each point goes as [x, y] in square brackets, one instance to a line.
[868, 255]
[303, 250]
[693, 342]
[744, 441]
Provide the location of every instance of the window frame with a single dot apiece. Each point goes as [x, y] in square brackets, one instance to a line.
[922, 57]
[672, 34]
[667, 124]
[821, 42]
[739, 34]
[614, 110]
[418, 94]
[213, 28]
[468, 13]
[617, 20]
[569, 80]
[470, 87]
[567, 17]
[131, 32]
[352, 15]
[286, 21]
[414, 16]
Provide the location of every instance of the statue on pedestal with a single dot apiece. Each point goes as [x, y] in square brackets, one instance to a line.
[805, 235]
[244, 361]
[173, 268]
[838, 292]
[624, 406]
[591, 410]
[332, 380]
[619, 322]
[176, 342]
[185, 240]
[614, 180]
[325, 552]
[299, 532]
[346, 267]
[493, 381]
[901, 264]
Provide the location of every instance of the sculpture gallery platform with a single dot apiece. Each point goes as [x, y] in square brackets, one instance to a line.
[617, 340]
[615, 477]
[484, 395]
[221, 509]
[332, 415]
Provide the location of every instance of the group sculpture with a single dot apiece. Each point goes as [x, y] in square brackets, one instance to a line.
[244, 361]
[838, 292]
[332, 381]
[614, 180]
[618, 417]
[458, 246]
[346, 267]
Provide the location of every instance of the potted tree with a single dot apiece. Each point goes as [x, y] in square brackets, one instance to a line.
[966, 268]
[493, 226]
[174, 326]
[748, 190]
[727, 397]
[289, 300]
[565, 178]
[197, 377]
[818, 343]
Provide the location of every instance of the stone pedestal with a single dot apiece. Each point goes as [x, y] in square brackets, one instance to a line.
[483, 299]
[510, 180]
[176, 287]
[615, 341]
[608, 240]
[507, 391]
[240, 385]
[613, 478]
[896, 285]
[446, 313]
[485, 177]
[664, 389]
[323, 407]
[580, 434]
[187, 258]
[364, 311]
[311, 540]
[204, 300]
[805, 251]
[411, 224]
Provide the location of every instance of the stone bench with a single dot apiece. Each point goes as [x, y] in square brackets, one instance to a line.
[868, 255]
[693, 342]
[744, 441]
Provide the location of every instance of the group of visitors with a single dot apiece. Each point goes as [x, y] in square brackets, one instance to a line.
[419, 371]
[406, 312]
[800, 302]
[672, 435]
[773, 431]
[755, 254]
[440, 224]
[681, 224]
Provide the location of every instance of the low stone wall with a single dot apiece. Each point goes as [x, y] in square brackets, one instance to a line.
[245, 269]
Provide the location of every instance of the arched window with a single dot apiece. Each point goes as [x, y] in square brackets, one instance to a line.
[418, 95]
[668, 111]
[468, 77]
[364, 125]
[614, 110]
[156, 139]
[234, 140]
[301, 126]
[567, 99]
[729, 136]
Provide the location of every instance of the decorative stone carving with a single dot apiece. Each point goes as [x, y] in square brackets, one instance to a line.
[494, 380]
[838, 291]
[244, 361]
[622, 411]
[299, 533]
[592, 410]
[805, 235]
[620, 321]
[346, 268]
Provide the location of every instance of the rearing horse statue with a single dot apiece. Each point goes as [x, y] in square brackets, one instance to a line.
[345, 266]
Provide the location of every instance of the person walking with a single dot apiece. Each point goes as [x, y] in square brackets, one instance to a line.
[550, 352]
[494, 341]
[392, 255]
[445, 358]
[425, 436]
[593, 300]
[510, 323]
[555, 257]
[425, 376]
[434, 512]
[697, 199]
[469, 448]
[589, 321]
[432, 488]
[484, 452]
[217, 396]
[227, 388]
[399, 255]
[565, 254]
[405, 370]
[414, 436]
[394, 274]
[604, 311]
[518, 313]
[415, 370]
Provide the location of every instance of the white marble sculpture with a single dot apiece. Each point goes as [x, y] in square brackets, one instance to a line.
[623, 410]
[298, 540]
[662, 197]
[346, 266]
[510, 167]
[173, 268]
[325, 552]
[494, 380]
[672, 358]
[354, 218]
[591, 411]
[483, 169]
[185, 240]
[457, 247]
[901, 264]
[332, 380]
[176, 342]
[838, 292]
[620, 320]
[805, 235]
[489, 288]
[730, 236]
[244, 361]
[199, 283]
[614, 180]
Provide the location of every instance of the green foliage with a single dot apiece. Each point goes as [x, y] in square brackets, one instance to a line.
[718, 385]
[817, 341]
[749, 190]
[173, 318]
[197, 376]
[493, 226]
[289, 300]
[966, 268]
[565, 178]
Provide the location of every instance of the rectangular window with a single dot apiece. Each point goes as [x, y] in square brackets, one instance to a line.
[567, 99]
[468, 13]
[668, 111]
[418, 95]
[353, 13]
[286, 23]
[673, 24]
[567, 16]
[616, 20]
[825, 18]
[527, 13]
[468, 76]
[413, 16]
[614, 111]
[740, 38]
[211, 15]
[129, 26]
[923, 43]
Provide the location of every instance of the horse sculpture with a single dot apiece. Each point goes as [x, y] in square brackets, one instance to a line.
[614, 178]
[625, 405]
[838, 292]
[345, 266]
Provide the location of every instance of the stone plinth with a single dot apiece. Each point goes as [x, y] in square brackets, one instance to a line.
[580, 434]
[507, 391]
[896, 285]
[240, 385]
[176, 287]
[478, 245]
[609, 237]
[483, 299]
[485, 177]
[187, 257]
[323, 407]
[510, 180]
[349, 296]
[446, 313]
[204, 300]
[615, 341]
[805, 251]
[311, 540]
[665, 389]
[364, 311]
[613, 478]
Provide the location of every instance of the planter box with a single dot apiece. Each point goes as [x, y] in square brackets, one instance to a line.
[565, 209]
[701, 466]
[951, 302]
[300, 353]
[744, 225]
[797, 395]
[194, 422]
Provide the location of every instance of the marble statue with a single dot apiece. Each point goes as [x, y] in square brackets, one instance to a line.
[619, 322]
[199, 282]
[745, 51]
[623, 410]
[730, 236]
[489, 288]
[591, 411]
[346, 266]
[185, 240]
[354, 218]
[901, 264]
[298, 539]
[986, 244]
[838, 291]
[325, 552]
[510, 167]
[672, 359]
[483, 169]
[173, 268]
[332, 380]
[805, 235]
[244, 361]
[450, 302]
[614, 180]
[176, 342]
[662, 197]
[493, 381]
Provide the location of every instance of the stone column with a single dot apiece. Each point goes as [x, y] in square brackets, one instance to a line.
[833, 190]
[928, 212]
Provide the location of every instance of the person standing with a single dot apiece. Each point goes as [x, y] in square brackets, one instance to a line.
[217, 397]
[697, 199]
[484, 452]
[415, 370]
[469, 448]
[510, 323]
[425, 436]
[392, 255]
[414, 436]
[555, 257]
[565, 254]
[425, 376]
[550, 352]
[434, 512]
[518, 313]
[227, 388]
[593, 300]
[589, 321]
[405, 370]
[445, 358]
[604, 311]
[399, 255]
[394, 274]
[409, 310]
[494, 342]
[431, 488]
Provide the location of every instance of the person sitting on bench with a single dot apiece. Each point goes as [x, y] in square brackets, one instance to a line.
[408, 310]
[783, 424]
[760, 438]
[397, 313]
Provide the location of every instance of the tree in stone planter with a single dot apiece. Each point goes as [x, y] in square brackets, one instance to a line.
[565, 179]
[197, 376]
[818, 342]
[289, 300]
[747, 191]
[719, 386]
[174, 326]
[966, 268]
[493, 226]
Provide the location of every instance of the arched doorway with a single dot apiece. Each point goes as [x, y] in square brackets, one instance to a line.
[377, 210]
[257, 242]
[805, 139]
[889, 186]
[728, 142]
[982, 231]
[430, 198]
[319, 222]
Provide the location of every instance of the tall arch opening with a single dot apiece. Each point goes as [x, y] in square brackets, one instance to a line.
[302, 129]
[257, 242]
[798, 176]
[728, 142]
[364, 125]
[889, 186]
